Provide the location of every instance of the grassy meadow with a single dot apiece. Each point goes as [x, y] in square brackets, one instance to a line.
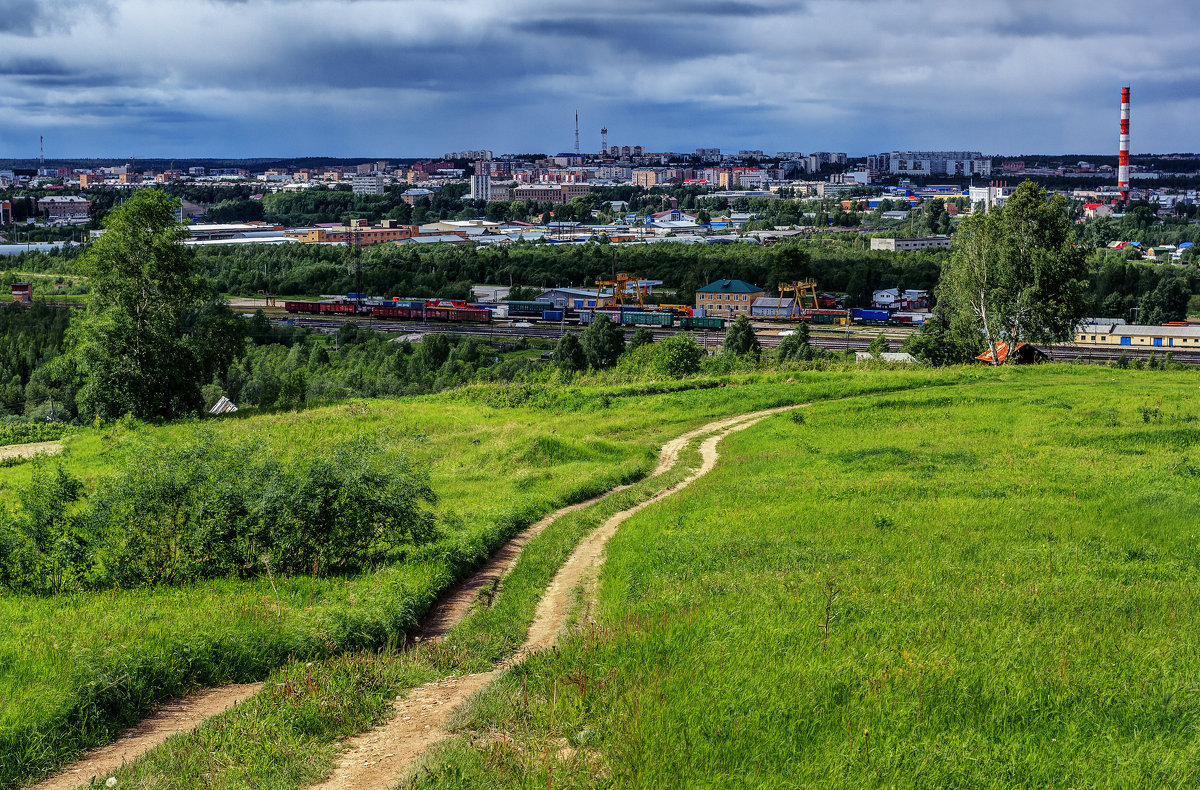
[990, 585]
[76, 668]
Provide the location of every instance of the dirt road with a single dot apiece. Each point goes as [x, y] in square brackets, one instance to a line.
[377, 759]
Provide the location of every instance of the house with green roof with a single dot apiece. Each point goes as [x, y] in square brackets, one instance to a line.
[728, 298]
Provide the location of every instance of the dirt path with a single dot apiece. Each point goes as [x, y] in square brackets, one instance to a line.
[175, 716]
[30, 450]
[377, 759]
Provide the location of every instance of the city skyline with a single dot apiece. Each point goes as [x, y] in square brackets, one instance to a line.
[303, 78]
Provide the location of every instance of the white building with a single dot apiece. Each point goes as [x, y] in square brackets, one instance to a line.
[905, 245]
[481, 185]
[990, 195]
[368, 184]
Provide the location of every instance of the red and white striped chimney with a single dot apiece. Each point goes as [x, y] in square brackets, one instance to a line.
[1123, 161]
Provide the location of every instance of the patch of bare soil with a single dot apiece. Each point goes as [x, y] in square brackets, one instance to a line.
[30, 450]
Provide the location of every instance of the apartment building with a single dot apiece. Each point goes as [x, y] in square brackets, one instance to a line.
[728, 298]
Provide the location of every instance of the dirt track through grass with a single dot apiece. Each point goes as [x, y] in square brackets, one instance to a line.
[375, 760]
[416, 723]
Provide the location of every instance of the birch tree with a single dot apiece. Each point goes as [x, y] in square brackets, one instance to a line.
[1015, 273]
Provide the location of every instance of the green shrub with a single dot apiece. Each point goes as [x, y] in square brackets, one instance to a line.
[213, 508]
[678, 355]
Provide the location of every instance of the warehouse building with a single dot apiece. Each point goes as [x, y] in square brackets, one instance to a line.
[1137, 336]
[904, 245]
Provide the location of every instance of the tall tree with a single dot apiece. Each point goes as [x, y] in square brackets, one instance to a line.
[569, 355]
[740, 340]
[1015, 273]
[603, 342]
[130, 347]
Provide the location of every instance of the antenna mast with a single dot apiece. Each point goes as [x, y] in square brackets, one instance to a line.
[41, 151]
[603, 140]
[577, 133]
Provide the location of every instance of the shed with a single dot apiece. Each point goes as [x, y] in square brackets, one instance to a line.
[772, 307]
[22, 292]
[1025, 354]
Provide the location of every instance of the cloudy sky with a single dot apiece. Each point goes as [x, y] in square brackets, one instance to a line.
[422, 77]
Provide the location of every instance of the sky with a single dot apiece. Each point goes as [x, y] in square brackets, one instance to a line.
[406, 78]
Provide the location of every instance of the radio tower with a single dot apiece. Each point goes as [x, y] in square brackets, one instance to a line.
[603, 139]
[577, 133]
[41, 151]
[1123, 160]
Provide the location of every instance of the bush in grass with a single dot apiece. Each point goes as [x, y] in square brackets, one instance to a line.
[642, 336]
[23, 432]
[678, 355]
[212, 509]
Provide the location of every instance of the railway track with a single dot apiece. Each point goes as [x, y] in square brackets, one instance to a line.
[502, 331]
[827, 339]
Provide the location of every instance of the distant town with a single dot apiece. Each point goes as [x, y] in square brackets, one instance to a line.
[882, 188]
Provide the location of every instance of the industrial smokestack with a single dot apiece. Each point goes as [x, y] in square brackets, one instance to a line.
[1123, 161]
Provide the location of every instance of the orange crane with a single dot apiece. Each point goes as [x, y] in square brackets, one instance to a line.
[801, 290]
[619, 282]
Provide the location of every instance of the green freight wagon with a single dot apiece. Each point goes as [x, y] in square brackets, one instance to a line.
[532, 309]
[707, 323]
[649, 319]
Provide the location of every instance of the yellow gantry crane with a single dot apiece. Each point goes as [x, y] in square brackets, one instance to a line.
[804, 296]
[619, 282]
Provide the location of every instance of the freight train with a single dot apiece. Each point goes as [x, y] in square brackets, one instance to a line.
[457, 311]
[442, 311]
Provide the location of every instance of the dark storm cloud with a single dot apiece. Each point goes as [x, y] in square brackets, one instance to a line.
[425, 76]
[36, 17]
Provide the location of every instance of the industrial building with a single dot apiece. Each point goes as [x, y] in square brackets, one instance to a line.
[904, 245]
[1136, 336]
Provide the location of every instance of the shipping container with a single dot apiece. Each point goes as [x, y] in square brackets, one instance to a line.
[870, 316]
[649, 319]
[552, 315]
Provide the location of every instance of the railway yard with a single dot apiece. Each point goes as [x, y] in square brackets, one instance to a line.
[853, 337]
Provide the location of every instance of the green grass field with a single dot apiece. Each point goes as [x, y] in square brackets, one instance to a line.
[990, 585]
[74, 669]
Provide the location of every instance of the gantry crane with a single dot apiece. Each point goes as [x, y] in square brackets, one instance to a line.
[619, 282]
[801, 291]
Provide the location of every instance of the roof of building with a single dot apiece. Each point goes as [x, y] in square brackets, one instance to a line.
[1135, 330]
[886, 356]
[774, 302]
[589, 292]
[1024, 352]
[730, 286]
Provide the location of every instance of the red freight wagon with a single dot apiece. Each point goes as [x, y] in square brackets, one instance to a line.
[302, 307]
[470, 315]
[396, 312]
[338, 307]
